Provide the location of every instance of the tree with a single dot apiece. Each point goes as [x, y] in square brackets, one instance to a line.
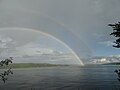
[116, 33]
[4, 75]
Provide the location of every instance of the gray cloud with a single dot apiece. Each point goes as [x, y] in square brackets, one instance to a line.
[74, 22]
[21, 37]
[107, 43]
[6, 46]
[40, 48]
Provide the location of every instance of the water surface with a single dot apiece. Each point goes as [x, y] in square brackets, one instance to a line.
[95, 77]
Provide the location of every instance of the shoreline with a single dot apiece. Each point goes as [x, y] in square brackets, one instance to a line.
[31, 65]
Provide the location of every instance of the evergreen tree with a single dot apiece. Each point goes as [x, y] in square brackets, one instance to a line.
[116, 33]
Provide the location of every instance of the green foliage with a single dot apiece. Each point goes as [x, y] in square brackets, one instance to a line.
[4, 75]
[118, 73]
[116, 33]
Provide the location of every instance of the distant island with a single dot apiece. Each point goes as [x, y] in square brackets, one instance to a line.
[114, 63]
[30, 65]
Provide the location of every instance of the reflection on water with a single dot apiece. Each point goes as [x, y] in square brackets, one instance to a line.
[63, 78]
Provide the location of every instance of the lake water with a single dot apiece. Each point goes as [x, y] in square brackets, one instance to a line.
[63, 78]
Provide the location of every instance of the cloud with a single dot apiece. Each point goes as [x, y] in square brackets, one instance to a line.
[77, 15]
[31, 52]
[99, 61]
[56, 59]
[33, 49]
[21, 37]
[5, 41]
[7, 46]
[98, 6]
[107, 43]
[104, 59]
[40, 48]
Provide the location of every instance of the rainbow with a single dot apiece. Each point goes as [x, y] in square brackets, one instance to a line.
[46, 34]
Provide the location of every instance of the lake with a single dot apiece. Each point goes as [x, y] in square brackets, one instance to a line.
[90, 77]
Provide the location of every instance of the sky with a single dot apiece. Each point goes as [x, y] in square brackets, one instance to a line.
[33, 47]
[81, 24]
